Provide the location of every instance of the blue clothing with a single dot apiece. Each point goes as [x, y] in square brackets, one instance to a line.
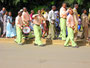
[3, 12]
[13, 33]
[31, 26]
[57, 20]
[10, 30]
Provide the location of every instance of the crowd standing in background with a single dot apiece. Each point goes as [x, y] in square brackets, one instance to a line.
[63, 24]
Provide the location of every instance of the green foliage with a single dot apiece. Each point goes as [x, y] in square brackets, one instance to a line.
[80, 2]
[39, 8]
[25, 1]
[52, 2]
[2, 1]
[16, 2]
[69, 1]
[88, 4]
[38, 4]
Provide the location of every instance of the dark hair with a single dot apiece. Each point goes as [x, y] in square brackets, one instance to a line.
[83, 10]
[53, 6]
[75, 5]
[64, 3]
[47, 9]
[43, 9]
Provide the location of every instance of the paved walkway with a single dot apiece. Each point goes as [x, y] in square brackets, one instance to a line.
[51, 56]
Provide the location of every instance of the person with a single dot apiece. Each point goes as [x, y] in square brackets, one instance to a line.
[79, 23]
[43, 11]
[76, 20]
[25, 17]
[85, 23]
[19, 24]
[46, 24]
[26, 20]
[52, 18]
[41, 25]
[38, 18]
[70, 27]
[1, 23]
[13, 33]
[9, 25]
[63, 16]
[4, 23]
[57, 22]
[3, 10]
[31, 19]
[32, 13]
[89, 15]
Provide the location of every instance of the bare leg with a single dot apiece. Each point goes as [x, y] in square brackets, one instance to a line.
[43, 34]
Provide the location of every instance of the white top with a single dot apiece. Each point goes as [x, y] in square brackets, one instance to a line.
[46, 16]
[63, 12]
[51, 16]
[18, 21]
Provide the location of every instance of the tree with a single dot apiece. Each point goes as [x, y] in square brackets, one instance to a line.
[16, 5]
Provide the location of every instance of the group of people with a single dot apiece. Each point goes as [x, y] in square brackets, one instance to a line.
[50, 24]
[7, 24]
